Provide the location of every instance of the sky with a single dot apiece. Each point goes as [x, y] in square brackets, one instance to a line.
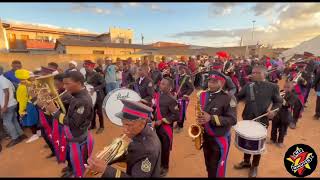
[203, 24]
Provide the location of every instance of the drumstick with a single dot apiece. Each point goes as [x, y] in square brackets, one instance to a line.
[264, 114]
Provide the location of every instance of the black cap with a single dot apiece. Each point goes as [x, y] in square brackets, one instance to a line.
[133, 110]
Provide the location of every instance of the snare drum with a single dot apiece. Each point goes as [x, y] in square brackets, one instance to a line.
[250, 137]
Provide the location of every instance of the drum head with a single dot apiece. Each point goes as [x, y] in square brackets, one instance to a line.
[250, 129]
[94, 95]
[112, 103]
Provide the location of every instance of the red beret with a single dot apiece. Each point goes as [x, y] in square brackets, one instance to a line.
[217, 77]
[89, 63]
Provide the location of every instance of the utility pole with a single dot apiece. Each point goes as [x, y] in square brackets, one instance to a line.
[253, 28]
[142, 37]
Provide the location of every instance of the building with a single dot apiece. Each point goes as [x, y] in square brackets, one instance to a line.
[30, 38]
[75, 46]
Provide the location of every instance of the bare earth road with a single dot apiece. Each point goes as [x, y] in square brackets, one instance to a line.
[28, 160]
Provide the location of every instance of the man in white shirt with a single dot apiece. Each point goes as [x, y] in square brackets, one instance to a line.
[8, 111]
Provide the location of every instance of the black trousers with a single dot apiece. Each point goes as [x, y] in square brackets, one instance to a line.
[278, 131]
[183, 114]
[98, 111]
[255, 160]
[318, 106]
[165, 147]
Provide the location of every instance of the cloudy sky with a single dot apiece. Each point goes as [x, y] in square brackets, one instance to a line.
[206, 24]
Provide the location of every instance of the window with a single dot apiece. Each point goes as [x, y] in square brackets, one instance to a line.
[98, 52]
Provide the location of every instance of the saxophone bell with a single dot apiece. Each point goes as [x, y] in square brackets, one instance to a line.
[195, 131]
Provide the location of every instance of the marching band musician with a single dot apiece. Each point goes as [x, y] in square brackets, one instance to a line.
[258, 96]
[166, 112]
[97, 81]
[183, 88]
[76, 123]
[218, 117]
[143, 85]
[144, 151]
[291, 105]
[300, 87]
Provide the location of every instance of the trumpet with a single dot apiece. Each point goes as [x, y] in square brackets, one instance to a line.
[111, 153]
[196, 130]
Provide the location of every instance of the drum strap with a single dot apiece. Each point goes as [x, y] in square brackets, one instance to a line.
[253, 99]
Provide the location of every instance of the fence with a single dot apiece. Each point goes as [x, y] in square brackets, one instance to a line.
[33, 61]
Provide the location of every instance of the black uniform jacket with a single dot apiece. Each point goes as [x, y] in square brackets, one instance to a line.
[223, 116]
[146, 89]
[168, 107]
[97, 81]
[258, 101]
[78, 116]
[143, 158]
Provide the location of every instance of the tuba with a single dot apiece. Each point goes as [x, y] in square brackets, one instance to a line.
[196, 130]
[45, 89]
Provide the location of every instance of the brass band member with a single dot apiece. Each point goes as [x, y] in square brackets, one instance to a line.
[143, 85]
[143, 158]
[76, 123]
[166, 112]
[280, 122]
[218, 117]
[183, 88]
[258, 96]
[97, 81]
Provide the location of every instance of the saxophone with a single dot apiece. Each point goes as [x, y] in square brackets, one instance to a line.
[196, 130]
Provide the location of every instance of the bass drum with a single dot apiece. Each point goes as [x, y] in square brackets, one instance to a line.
[94, 95]
[112, 103]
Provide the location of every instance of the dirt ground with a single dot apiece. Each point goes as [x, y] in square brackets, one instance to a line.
[28, 160]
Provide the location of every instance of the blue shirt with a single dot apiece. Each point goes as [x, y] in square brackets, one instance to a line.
[110, 74]
[12, 77]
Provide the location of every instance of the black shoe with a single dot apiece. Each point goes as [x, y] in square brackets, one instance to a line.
[67, 174]
[64, 170]
[0, 148]
[92, 128]
[316, 117]
[253, 172]
[292, 125]
[242, 165]
[23, 137]
[13, 142]
[50, 156]
[100, 130]
[164, 172]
